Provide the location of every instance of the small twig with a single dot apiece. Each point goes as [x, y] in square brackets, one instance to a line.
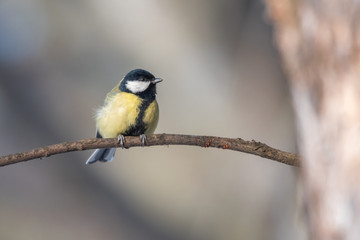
[236, 144]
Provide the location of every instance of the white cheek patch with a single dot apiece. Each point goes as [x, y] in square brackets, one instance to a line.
[137, 86]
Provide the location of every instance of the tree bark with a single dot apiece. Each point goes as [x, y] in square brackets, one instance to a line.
[319, 42]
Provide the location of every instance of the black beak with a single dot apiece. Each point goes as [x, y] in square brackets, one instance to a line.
[156, 80]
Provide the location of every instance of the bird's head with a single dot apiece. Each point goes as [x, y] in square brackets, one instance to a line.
[141, 83]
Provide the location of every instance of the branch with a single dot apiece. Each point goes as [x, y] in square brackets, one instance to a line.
[236, 144]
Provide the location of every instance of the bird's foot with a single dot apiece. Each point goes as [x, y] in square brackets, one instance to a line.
[121, 140]
[143, 139]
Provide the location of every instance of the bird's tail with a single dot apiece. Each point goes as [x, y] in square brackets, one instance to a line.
[102, 155]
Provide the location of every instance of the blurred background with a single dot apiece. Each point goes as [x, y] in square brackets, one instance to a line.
[222, 76]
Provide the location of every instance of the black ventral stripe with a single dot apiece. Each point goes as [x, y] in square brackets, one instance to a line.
[139, 127]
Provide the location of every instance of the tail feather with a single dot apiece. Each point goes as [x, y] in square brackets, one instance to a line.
[102, 155]
[108, 155]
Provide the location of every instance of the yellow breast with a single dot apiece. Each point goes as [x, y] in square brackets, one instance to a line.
[151, 117]
[118, 114]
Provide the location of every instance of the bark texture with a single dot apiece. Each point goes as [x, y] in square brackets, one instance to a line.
[319, 41]
[235, 144]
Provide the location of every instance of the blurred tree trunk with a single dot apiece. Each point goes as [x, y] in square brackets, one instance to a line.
[319, 42]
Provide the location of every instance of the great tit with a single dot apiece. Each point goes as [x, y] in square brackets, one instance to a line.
[130, 109]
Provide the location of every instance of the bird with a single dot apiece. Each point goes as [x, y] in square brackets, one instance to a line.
[130, 109]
